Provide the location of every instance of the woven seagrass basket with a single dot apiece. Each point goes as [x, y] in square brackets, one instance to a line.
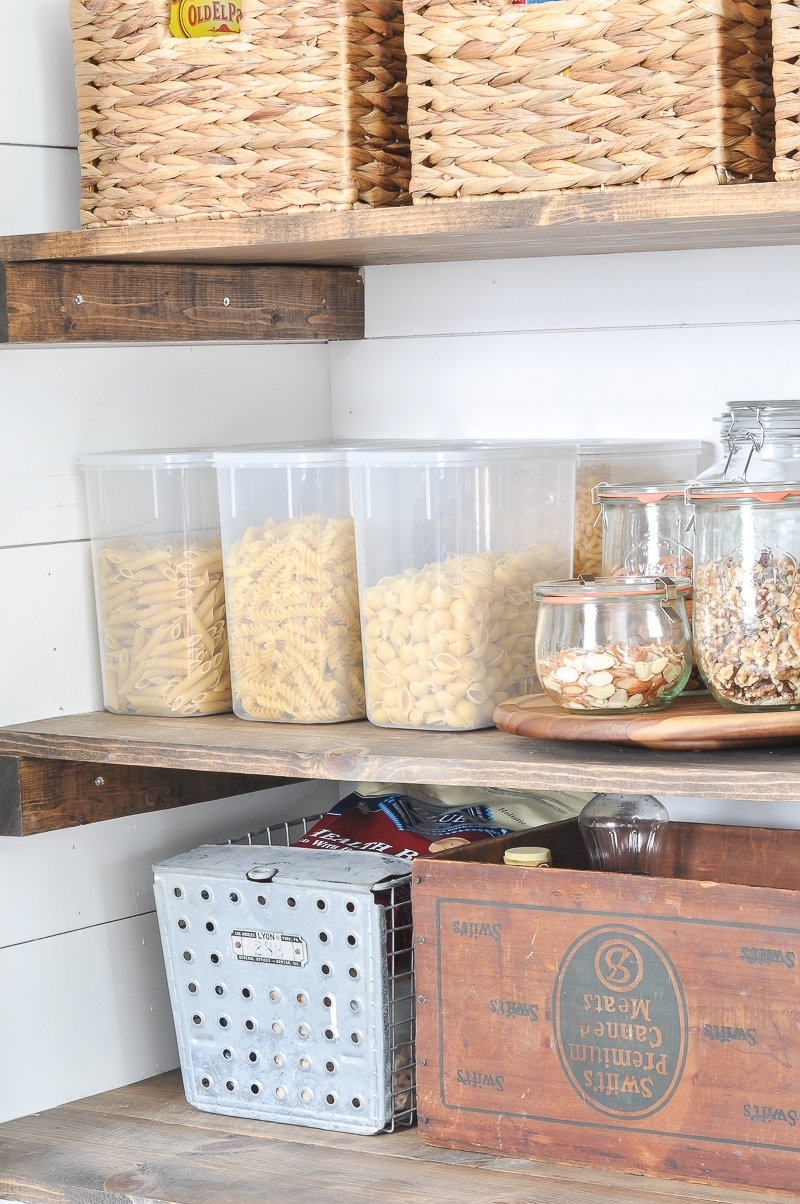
[514, 99]
[306, 108]
[786, 79]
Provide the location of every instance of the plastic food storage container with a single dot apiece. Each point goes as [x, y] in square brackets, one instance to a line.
[761, 442]
[290, 583]
[623, 461]
[157, 563]
[747, 593]
[450, 543]
[614, 643]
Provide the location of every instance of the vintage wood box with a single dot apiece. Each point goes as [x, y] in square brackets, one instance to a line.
[649, 1025]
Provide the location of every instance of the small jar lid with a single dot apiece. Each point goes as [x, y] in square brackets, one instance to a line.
[763, 491]
[583, 589]
[641, 492]
[531, 855]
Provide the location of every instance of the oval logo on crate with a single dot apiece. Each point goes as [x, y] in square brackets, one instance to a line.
[619, 1021]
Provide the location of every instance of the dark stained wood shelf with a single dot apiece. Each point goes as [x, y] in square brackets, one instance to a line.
[223, 744]
[144, 1142]
[75, 301]
[568, 223]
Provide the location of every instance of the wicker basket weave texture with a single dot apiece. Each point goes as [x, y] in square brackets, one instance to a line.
[786, 78]
[580, 93]
[306, 108]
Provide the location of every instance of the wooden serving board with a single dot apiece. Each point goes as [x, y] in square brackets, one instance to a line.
[693, 722]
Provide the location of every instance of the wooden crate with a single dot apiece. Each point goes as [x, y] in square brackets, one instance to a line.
[649, 1025]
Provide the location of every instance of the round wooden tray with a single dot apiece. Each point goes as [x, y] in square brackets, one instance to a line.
[693, 722]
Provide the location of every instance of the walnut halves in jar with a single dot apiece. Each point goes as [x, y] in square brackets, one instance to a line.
[747, 593]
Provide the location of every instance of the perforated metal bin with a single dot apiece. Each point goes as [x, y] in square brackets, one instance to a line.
[291, 978]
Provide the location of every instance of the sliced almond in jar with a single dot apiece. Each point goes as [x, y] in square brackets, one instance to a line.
[618, 699]
[599, 660]
[628, 683]
[635, 700]
[601, 691]
[567, 674]
[642, 671]
[573, 691]
[671, 674]
[602, 678]
[658, 665]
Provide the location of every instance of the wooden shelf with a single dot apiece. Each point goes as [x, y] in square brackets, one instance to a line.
[566, 223]
[223, 744]
[145, 1143]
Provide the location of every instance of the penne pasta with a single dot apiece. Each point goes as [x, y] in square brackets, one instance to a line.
[161, 611]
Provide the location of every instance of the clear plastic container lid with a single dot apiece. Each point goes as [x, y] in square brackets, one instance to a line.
[168, 458]
[609, 588]
[455, 455]
[299, 455]
[604, 449]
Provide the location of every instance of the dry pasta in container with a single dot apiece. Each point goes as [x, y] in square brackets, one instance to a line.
[450, 543]
[157, 561]
[291, 586]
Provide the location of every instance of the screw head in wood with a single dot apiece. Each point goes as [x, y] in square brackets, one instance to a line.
[423, 1061]
[423, 1120]
[420, 940]
[420, 998]
[79, 299]
[226, 301]
[99, 782]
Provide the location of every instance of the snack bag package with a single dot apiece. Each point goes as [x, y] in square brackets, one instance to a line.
[405, 820]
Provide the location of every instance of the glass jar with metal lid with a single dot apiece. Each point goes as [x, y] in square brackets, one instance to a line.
[647, 530]
[747, 592]
[761, 442]
[613, 643]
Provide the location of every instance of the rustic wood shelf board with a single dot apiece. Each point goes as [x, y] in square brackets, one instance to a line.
[638, 219]
[84, 302]
[144, 1142]
[40, 795]
[360, 752]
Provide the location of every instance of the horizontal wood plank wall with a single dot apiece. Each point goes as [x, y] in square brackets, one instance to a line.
[639, 346]
[79, 302]
[85, 1004]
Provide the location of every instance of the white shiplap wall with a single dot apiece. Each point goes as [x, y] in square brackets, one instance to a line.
[616, 346]
[84, 1006]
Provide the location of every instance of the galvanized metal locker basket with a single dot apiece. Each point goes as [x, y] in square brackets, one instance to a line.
[291, 979]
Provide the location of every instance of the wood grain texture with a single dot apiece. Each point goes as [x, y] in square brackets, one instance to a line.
[359, 752]
[766, 214]
[608, 1020]
[38, 795]
[143, 1143]
[79, 302]
[689, 724]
